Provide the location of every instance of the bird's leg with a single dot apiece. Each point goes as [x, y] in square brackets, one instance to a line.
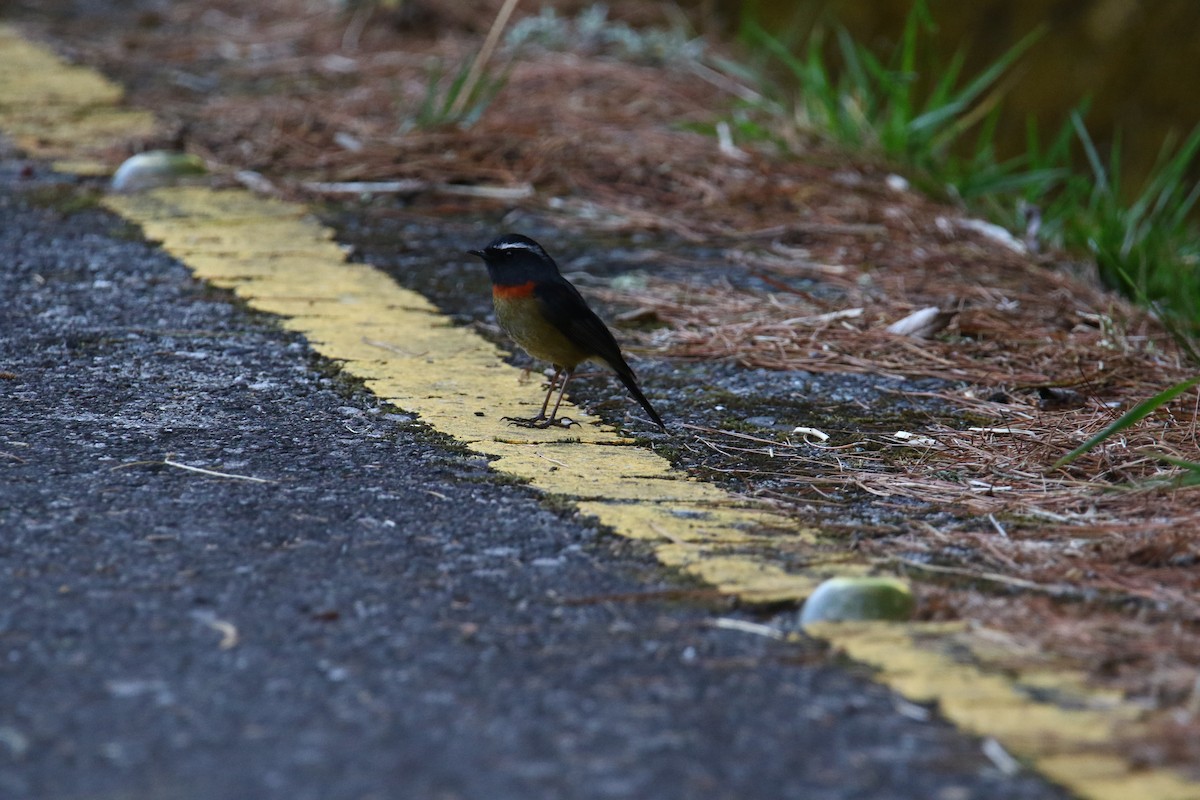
[549, 391]
[562, 390]
[541, 420]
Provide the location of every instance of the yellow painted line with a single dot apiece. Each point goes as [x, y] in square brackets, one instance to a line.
[57, 112]
[279, 259]
[1071, 743]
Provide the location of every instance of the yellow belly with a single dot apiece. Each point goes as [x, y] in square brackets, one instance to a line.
[521, 321]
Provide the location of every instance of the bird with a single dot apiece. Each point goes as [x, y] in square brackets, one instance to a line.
[547, 316]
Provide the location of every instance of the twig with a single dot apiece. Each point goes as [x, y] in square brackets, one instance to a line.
[518, 192]
[410, 185]
[729, 624]
[414, 186]
[168, 462]
[485, 54]
[1059, 590]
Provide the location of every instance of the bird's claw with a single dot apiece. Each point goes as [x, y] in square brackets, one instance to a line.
[539, 422]
[529, 422]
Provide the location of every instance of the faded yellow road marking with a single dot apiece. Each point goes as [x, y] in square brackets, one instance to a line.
[1072, 743]
[62, 113]
[280, 260]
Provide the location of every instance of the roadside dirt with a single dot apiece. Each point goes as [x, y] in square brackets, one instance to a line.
[802, 259]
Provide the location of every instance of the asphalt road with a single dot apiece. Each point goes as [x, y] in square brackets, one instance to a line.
[377, 616]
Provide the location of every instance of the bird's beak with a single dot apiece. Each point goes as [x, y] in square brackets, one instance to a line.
[475, 253]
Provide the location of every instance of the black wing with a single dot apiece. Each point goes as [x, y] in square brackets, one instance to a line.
[565, 309]
[563, 305]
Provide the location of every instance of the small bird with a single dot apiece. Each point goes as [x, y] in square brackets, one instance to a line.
[550, 320]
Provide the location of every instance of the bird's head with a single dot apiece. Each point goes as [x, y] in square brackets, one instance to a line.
[513, 258]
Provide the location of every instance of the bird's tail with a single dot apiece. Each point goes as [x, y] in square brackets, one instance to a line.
[625, 373]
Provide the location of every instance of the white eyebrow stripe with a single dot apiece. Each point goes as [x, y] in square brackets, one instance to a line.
[514, 246]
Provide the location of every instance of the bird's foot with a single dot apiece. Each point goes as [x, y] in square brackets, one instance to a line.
[540, 422]
[529, 422]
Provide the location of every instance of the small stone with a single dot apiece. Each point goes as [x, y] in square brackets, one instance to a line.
[155, 168]
[852, 599]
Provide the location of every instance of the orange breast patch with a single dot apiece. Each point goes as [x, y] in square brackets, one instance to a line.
[514, 291]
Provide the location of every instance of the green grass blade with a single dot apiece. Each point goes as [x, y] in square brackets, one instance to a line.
[969, 93]
[1059, 149]
[932, 120]
[759, 36]
[1099, 173]
[1004, 180]
[918, 18]
[1173, 176]
[1130, 417]
[1191, 469]
[851, 59]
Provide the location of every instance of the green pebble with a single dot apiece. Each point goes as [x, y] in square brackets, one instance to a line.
[854, 599]
[155, 168]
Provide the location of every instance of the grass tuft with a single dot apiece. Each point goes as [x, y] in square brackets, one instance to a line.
[1150, 247]
[472, 89]
[454, 102]
[944, 134]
